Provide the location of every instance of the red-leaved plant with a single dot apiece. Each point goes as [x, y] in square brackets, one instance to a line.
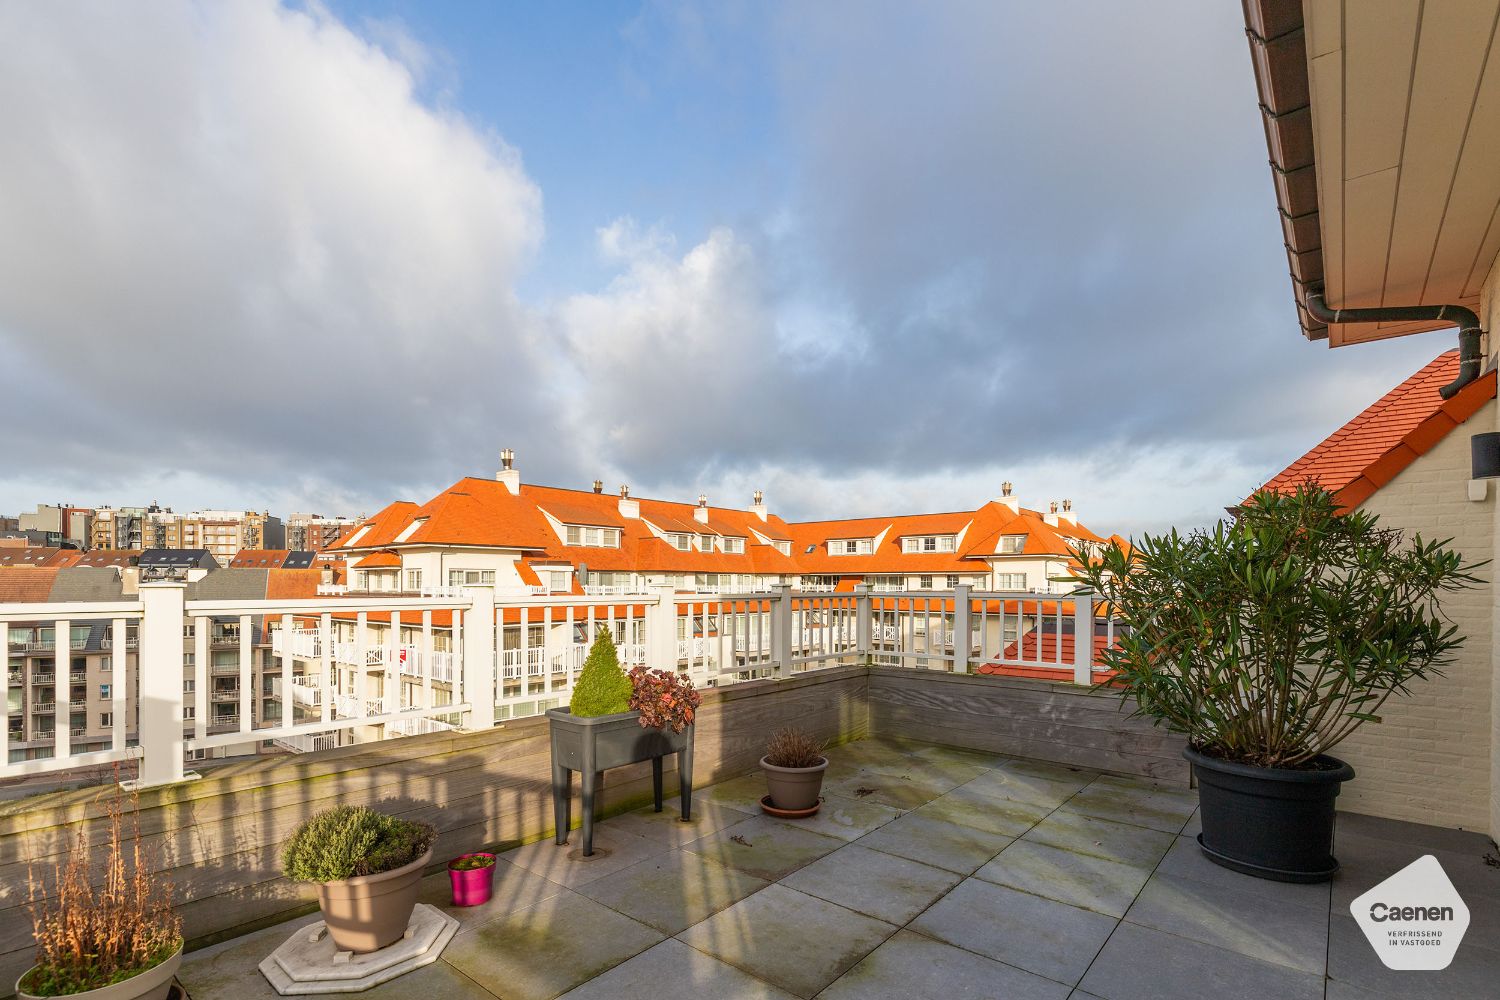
[664, 698]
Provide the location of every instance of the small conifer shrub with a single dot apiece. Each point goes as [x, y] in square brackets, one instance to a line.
[351, 841]
[602, 687]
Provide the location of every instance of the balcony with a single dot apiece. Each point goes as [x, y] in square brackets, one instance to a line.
[42, 678]
[1012, 878]
[44, 708]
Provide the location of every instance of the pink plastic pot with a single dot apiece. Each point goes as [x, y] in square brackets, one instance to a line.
[472, 886]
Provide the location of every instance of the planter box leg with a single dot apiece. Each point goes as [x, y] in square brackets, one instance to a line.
[656, 780]
[562, 802]
[685, 777]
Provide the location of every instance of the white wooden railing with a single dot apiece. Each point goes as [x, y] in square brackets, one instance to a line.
[370, 667]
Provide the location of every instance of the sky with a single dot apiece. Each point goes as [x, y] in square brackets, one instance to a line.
[867, 257]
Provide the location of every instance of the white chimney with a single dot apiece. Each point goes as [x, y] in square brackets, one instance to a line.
[758, 508]
[1008, 499]
[508, 474]
[1067, 513]
[700, 512]
[628, 507]
[1051, 516]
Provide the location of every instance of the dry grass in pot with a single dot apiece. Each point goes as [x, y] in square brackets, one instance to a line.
[793, 747]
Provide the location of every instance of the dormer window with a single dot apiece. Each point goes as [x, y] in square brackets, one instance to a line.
[850, 546]
[680, 540]
[734, 545]
[706, 543]
[1011, 545]
[411, 529]
[354, 539]
[785, 548]
[927, 543]
[599, 538]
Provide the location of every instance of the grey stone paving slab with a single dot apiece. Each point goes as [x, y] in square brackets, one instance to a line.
[883, 886]
[667, 827]
[1069, 877]
[546, 949]
[936, 842]
[1187, 860]
[1045, 769]
[1475, 971]
[959, 755]
[673, 971]
[1194, 824]
[1250, 923]
[1039, 935]
[904, 791]
[230, 971]
[911, 966]
[563, 863]
[1007, 817]
[1123, 803]
[1132, 845]
[764, 847]
[743, 793]
[846, 819]
[792, 940]
[673, 890]
[514, 887]
[1139, 963]
[1366, 861]
[1024, 787]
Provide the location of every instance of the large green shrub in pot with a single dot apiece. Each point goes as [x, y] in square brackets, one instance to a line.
[1269, 638]
[347, 842]
[603, 687]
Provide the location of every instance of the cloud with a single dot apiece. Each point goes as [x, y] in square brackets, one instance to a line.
[255, 256]
[237, 243]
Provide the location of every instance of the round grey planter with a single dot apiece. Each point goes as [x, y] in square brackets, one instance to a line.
[153, 984]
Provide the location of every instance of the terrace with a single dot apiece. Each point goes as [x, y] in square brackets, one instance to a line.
[930, 872]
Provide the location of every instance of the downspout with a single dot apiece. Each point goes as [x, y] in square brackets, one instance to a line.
[1470, 354]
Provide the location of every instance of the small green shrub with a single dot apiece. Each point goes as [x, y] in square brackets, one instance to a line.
[602, 688]
[350, 841]
[473, 862]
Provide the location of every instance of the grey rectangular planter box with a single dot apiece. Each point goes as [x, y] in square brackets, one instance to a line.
[592, 745]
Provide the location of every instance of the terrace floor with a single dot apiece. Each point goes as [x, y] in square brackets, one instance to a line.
[930, 872]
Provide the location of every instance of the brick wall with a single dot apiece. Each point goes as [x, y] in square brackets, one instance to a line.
[1430, 760]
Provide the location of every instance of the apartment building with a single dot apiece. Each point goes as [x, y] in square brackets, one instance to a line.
[118, 528]
[60, 524]
[538, 539]
[222, 532]
[314, 532]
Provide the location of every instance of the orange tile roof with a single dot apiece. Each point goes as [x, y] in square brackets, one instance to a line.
[26, 584]
[35, 556]
[1369, 451]
[375, 560]
[296, 584]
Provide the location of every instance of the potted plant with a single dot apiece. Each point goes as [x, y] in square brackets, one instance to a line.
[367, 866]
[473, 877]
[615, 719]
[794, 764]
[1267, 641]
[119, 940]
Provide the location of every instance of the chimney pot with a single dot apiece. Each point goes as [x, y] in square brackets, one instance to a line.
[598, 486]
[1054, 506]
[702, 499]
[759, 497]
[1067, 505]
[507, 458]
[624, 490]
[1005, 488]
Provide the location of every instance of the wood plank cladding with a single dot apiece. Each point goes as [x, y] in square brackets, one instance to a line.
[1060, 723]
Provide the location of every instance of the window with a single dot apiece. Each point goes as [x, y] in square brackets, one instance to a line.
[785, 548]
[1011, 544]
[470, 577]
[599, 538]
[413, 579]
[1010, 581]
[106, 719]
[734, 545]
[681, 541]
[850, 546]
[927, 543]
[952, 581]
[188, 685]
[925, 583]
[557, 581]
[104, 692]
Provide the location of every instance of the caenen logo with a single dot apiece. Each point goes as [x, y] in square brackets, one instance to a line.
[1415, 919]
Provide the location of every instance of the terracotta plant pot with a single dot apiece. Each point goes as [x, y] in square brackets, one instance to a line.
[153, 984]
[367, 913]
[794, 788]
[472, 886]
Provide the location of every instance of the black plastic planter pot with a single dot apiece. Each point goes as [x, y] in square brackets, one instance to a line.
[1270, 822]
[590, 745]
